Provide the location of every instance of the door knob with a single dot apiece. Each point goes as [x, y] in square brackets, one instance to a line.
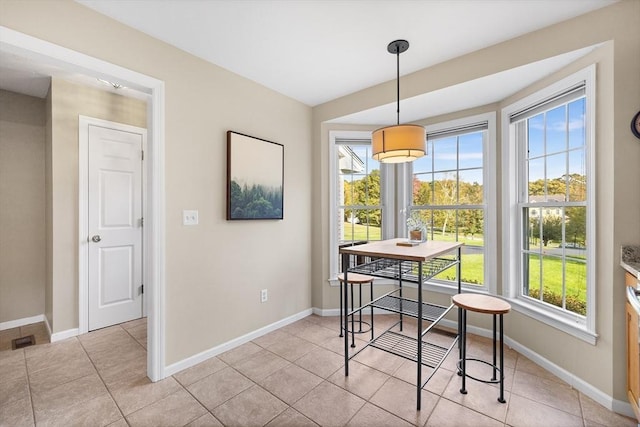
[96, 238]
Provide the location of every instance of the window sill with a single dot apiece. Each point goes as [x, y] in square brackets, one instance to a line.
[561, 323]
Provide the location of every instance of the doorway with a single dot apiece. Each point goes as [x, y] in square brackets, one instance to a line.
[16, 43]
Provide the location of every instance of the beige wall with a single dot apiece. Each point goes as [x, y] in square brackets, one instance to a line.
[68, 101]
[22, 206]
[214, 271]
[617, 173]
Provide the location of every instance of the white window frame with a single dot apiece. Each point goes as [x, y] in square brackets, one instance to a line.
[386, 199]
[490, 190]
[512, 174]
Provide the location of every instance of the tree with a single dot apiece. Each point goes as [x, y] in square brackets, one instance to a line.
[445, 192]
[551, 229]
[363, 192]
[576, 226]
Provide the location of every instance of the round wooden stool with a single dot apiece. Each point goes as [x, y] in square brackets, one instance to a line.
[356, 279]
[489, 305]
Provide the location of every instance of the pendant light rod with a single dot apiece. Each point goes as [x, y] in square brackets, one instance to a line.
[398, 87]
[397, 47]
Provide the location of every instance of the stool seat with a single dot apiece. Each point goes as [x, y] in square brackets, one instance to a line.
[355, 278]
[481, 303]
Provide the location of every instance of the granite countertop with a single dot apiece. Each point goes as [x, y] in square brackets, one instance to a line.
[630, 259]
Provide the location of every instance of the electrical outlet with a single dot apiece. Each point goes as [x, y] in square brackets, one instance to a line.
[189, 217]
[263, 295]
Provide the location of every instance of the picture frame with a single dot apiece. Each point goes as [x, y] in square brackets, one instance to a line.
[255, 178]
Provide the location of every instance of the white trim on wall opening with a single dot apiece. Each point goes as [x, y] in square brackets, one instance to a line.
[16, 43]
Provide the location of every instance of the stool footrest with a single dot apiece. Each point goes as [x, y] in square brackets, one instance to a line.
[491, 381]
[358, 325]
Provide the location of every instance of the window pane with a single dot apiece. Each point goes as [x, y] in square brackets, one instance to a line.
[535, 136]
[551, 227]
[536, 185]
[423, 164]
[556, 166]
[361, 224]
[422, 194]
[370, 187]
[576, 231]
[445, 189]
[531, 220]
[345, 197]
[556, 129]
[553, 279]
[471, 232]
[531, 278]
[471, 187]
[577, 125]
[445, 154]
[444, 225]
[576, 286]
[470, 146]
[577, 176]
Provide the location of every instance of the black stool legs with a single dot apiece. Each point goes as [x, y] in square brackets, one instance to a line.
[462, 368]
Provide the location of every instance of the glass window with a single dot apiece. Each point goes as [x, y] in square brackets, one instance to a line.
[448, 192]
[356, 192]
[553, 206]
[549, 204]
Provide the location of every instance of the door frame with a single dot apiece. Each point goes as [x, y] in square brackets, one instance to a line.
[83, 216]
[17, 43]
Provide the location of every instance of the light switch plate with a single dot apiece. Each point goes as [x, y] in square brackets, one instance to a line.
[189, 217]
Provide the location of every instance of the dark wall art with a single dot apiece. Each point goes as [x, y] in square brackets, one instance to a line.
[255, 178]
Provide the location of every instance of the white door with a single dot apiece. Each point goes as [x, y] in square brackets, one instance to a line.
[114, 226]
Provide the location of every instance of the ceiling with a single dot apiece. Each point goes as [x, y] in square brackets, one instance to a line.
[318, 50]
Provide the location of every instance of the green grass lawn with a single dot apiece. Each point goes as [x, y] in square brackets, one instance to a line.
[552, 269]
[473, 264]
[360, 232]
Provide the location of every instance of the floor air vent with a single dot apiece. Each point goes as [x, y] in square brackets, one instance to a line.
[23, 342]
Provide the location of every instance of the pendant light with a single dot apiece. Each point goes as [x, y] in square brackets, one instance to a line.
[398, 143]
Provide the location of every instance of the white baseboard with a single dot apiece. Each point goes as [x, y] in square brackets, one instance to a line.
[63, 335]
[208, 354]
[21, 322]
[618, 406]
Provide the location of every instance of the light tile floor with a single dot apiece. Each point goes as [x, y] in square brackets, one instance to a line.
[291, 377]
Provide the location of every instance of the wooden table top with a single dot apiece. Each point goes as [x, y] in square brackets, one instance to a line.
[390, 249]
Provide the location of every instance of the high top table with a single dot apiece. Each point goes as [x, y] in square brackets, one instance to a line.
[405, 264]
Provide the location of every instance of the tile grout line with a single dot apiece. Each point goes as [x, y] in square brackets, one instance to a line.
[102, 380]
[26, 371]
[196, 399]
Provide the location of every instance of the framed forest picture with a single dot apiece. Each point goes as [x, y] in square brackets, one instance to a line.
[255, 178]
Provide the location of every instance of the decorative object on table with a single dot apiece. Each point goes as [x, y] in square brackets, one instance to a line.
[398, 143]
[417, 228]
[635, 125]
[255, 178]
